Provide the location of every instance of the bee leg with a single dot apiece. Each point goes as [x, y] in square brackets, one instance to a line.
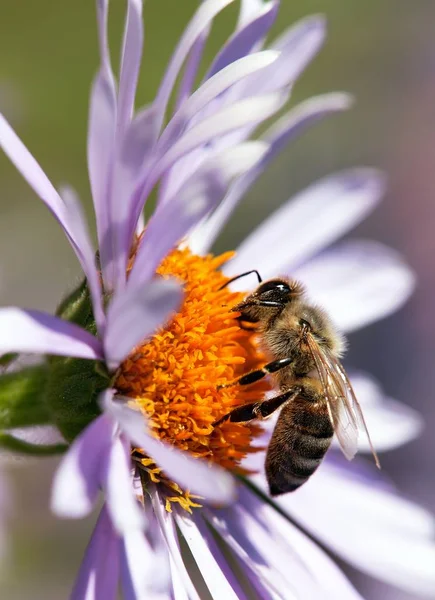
[258, 410]
[258, 374]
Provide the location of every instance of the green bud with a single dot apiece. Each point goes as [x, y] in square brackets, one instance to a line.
[73, 384]
[62, 391]
[7, 359]
[22, 398]
[72, 391]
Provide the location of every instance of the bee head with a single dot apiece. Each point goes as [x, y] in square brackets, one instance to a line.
[268, 300]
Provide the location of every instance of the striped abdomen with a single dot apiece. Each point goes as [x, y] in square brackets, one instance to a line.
[302, 435]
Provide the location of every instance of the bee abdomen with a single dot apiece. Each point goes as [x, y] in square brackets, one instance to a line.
[296, 450]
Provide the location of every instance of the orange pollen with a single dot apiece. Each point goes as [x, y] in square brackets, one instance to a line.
[175, 377]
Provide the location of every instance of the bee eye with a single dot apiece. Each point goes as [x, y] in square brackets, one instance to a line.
[305, 325]
[276, 285]
[274, 293]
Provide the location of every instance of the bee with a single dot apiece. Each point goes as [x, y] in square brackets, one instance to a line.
[315, 395]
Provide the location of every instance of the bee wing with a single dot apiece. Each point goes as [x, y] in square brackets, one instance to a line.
[352, 404]
[343, 407]
[343, 421]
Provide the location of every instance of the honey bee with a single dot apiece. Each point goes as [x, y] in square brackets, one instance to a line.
[316, 396]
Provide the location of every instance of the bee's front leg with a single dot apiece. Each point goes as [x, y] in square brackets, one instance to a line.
[259, 410]
[258, 374]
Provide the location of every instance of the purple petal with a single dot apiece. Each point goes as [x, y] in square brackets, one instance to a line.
[132, 159]
[262, 589]
[253, 84]
[87, 254]
[102, 16]
[101, 145]
[191, 69]
[41, 333]
[117, 483]
[372, 529]
[210, 482]
[298, 46]
[138, 141]
[253, 28]
[178, 591]
[213, 566]
[32, 172]
[357, 282]
[305, 114]
[135, 313]
[195, 29]
[178, 566]
[79, 475]
[249, 111]
[212, 89]
[323, 571]
[332, 206]
[99, 571]
[238, 115]
[101, 135]
[390, 423]
[264, 550]
[69, 216]
[287, 128]
[145, 566]
[249, 9]
[193, 109]
[200, 194]
[109, 164]
[38, 434]
[194, 201]
[130, 62]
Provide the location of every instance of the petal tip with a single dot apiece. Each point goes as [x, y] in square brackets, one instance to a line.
[369, 180]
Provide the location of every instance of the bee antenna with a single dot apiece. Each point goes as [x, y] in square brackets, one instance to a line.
[240, 276]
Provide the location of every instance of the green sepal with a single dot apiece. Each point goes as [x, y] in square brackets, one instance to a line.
[22, 397]
[74, 384]
[9, 442]
[72, 392]
[62, 391]
[77, 308]
[6, 359]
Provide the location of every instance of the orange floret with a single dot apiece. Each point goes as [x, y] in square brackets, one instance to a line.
[174, 377]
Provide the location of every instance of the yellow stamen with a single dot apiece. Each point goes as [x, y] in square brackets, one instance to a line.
[175, 377]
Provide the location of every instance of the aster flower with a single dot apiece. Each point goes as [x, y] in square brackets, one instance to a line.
[138, 352]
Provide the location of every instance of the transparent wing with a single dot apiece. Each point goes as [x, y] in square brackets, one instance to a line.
[343, 407]
[353, 406]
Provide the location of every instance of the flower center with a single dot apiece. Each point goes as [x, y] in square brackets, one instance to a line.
[175, 377]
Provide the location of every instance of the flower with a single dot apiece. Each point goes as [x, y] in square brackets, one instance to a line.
[155, 350]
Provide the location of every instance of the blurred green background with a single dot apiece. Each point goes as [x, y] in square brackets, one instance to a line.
[382, 52]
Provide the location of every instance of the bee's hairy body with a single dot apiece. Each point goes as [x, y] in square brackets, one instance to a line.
[300, 440]
[303, 432]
